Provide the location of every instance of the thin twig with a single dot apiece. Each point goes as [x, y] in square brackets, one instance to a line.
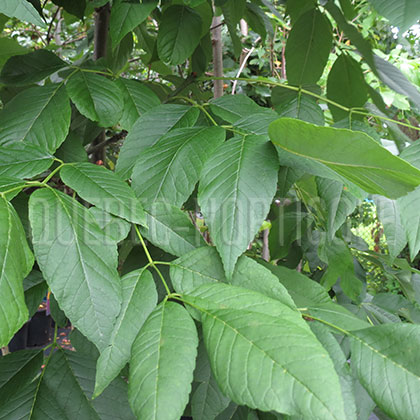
[102, 144]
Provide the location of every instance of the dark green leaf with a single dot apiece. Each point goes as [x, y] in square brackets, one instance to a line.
[78, 262]
[96, 97]
[303, 108]
[22, 160]
[308, 47]
[46, 119]
[9, 47]
[126, 16]
[346, 86]
[16, 261]
[162, 363]
[137, 98]
[35, 290]
[179, 34]
[30, 68]
[13, 185]
[74, 7]
[17, 370]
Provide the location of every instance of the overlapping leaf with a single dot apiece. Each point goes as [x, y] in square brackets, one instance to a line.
[126, 16]
[149, 128]
[236, 187]
[137, 98]
[104, 189]
[171, 229]
[243, 330]
[169, 170]
[203, 265]
[139, 297]
[167, 343]
[16, 261]
[78, 262]
[353, 155]
[21, 10]
[386, 355]
[30, 68]
[96, 97]
[46, 119]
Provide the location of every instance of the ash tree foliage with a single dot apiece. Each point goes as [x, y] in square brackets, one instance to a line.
[201, 247]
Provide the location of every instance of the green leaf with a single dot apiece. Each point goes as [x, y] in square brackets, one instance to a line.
[353, 155]
[17, 370]
[407, 206]
[208, 401]
[257, 123]
[104, 189]
[232, 108]
[46, 119]
[113, 402]
[96, 97]
[389, 216]
[162, 363]
[72, 149]
[402, 13]
[21, 10]
[337, 201]
[126, 16]
[341, 266]
[303, 108]
[8, 183]
[9, 47]
[395, 79]
[290, 225]
[16, 261]
[171, 229]
[236, 188]
[346, 86]
[341, 365]
[112, 226]
[137, 98]
[179, 155]
[336, 316]
[74, 7]
[179, 34]
[30, 68]
[295, 8]
[308, 47]
[139, 297]
[303, 290]
[22, 160]
[55, 394]
[149, 128]
[203, 265]
[78, 262]
[383, 356]
[243, 330]
[35, 290]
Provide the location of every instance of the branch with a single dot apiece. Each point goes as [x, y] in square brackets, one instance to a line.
[114, 139]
